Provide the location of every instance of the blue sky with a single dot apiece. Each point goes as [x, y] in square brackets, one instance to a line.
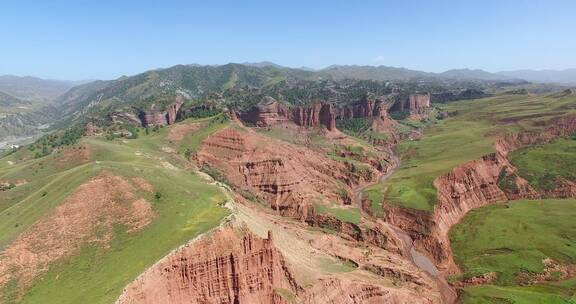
[106, 39]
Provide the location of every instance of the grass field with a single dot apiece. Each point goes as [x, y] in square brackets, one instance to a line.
[350, 215]
[466, 136]
[542, 165]
[187, 207]
[550, 293]
[514, 238]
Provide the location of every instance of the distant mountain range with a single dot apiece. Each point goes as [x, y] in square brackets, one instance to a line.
[567, 76]
[34, 89]
[384, 73]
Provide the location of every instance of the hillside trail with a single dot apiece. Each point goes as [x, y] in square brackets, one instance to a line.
[419, 259]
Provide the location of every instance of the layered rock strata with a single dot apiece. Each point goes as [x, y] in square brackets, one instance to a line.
[161, 118]
[270, 112]
[287, 177]
[414, 103]
[230, 265]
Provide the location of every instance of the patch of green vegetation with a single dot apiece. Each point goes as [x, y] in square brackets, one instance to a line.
[350, 215]
[47, 143]
[515, 237]
[397, 115]
[287, 295]
[507, 182]
[550, 293]
[376, 198]
[542, 165]
[354, 126]
[215, 174]
[193, 140]
[200, 112]
[337, 265]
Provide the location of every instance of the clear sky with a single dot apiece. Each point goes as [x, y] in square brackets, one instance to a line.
[106, 39]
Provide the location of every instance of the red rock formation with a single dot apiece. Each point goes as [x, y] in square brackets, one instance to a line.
[363, 108]
[415, 103]
[89, 129]
[266, 113]
[153, 118]
[287, 177]
[270, 112]
[327, 117]
[161, 118]
[226, 266]
[172, 110]
[339, 291]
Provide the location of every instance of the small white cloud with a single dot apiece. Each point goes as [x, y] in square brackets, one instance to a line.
[379, 58]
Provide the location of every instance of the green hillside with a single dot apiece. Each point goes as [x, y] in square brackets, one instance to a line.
[512, 240]
[184, 206]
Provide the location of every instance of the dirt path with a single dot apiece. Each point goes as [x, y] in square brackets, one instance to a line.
[419, 259]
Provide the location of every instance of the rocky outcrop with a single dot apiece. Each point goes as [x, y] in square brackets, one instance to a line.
[230, 265]
[414, 103]
[365, 107]
[161, 118]
[122, 117]
[343, 291]
[270, 112]
[267, 112]
[89, 129]
[172, 110]
[317, 114]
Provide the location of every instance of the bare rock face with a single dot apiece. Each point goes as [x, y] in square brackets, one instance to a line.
[287, 177]
[270, 112]
[161, 118]
[89, 129]
[153, 118]
[338, 291]
[415, 103]
[230, 265]
[119, 117]
[266, 113]
[363, 108]
[172, 110]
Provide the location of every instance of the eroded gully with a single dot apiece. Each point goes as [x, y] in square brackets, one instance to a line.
[419, 259]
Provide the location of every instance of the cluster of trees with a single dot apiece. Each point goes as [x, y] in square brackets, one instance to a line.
[46, 144]
[354, 126]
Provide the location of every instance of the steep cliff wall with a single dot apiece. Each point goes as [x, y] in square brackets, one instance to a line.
[161, 118]
[230, 265]
[414, 103]
[270, 112]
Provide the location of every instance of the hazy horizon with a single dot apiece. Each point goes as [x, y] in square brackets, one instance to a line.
[69, 40]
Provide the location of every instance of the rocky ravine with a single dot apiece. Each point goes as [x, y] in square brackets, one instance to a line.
[242, 262]
[473, 185]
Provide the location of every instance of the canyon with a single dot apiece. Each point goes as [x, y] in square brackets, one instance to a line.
[476, 184]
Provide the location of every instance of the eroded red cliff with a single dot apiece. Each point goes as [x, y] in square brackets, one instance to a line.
[230, 265]
[270, 112]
